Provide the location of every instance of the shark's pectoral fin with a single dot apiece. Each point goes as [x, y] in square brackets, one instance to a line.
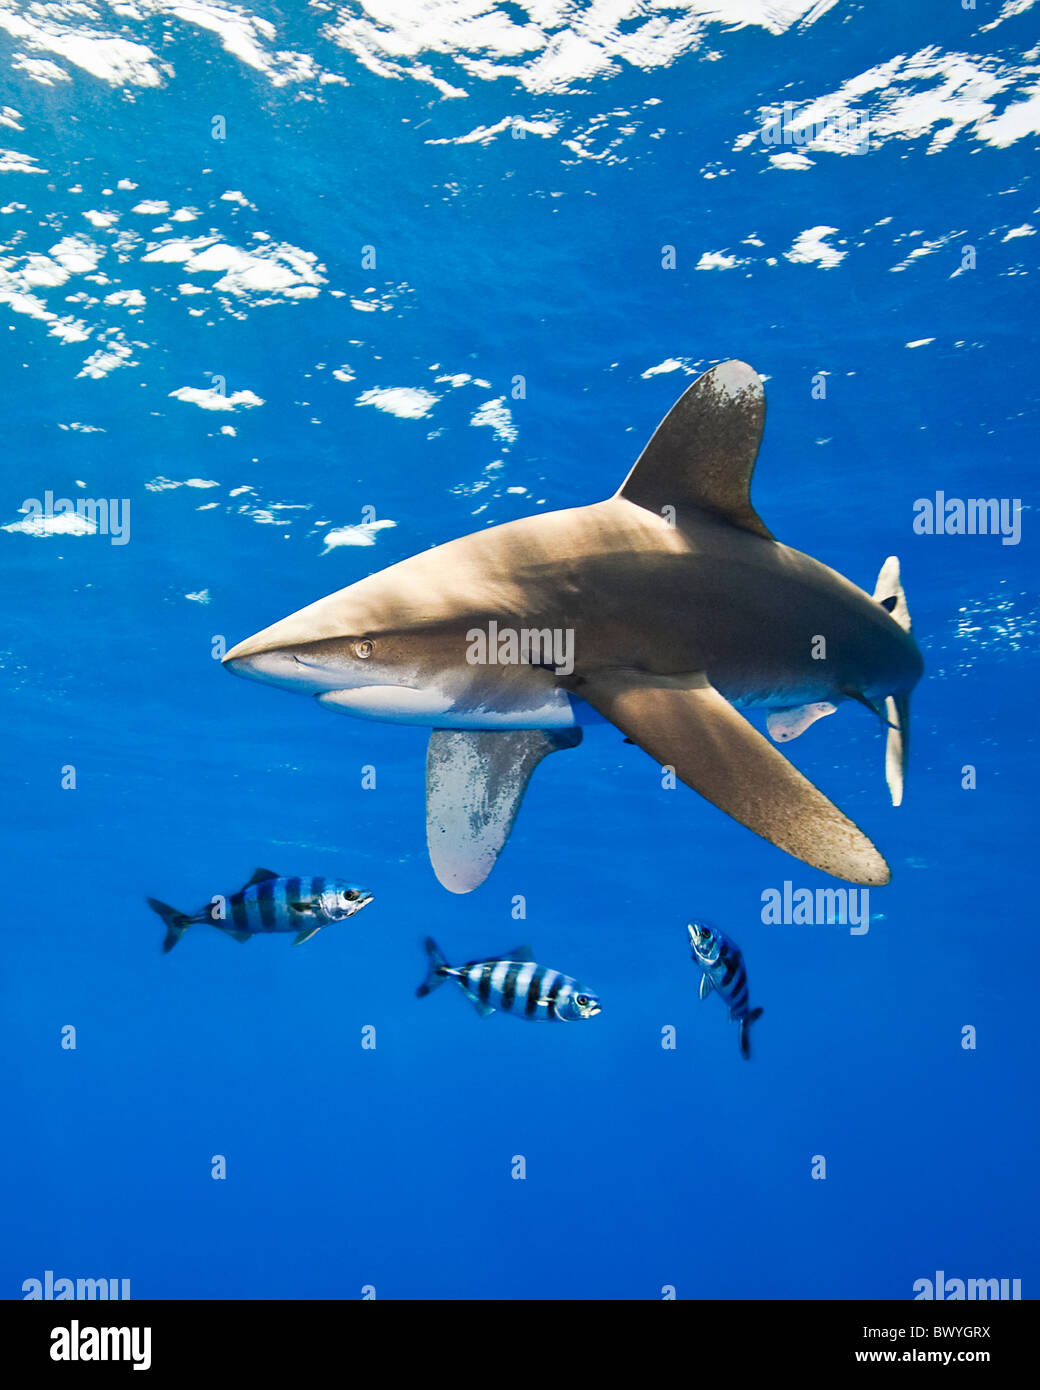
[703, 452]
[683, 722]
[706, 986]
[786, 724]
[475, 781]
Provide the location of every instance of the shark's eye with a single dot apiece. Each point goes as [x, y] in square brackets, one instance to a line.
[350, 894]
[364, 648]
[583, 1000]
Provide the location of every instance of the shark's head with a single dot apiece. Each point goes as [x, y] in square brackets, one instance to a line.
[396, 646]
[579, 1003]
[705, 942]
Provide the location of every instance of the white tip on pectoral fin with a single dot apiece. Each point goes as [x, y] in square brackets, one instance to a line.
[786, 724]
[475, 781]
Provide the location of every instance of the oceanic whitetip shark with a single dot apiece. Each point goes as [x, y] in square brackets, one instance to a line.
[674, 605]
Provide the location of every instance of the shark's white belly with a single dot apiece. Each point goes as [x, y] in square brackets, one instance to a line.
[398, 704]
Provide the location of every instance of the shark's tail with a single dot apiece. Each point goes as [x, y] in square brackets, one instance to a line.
[745, 1024]
[436, 974]
[889, 593]
[177, 923]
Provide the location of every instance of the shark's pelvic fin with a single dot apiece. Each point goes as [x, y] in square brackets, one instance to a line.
[703, 452]
[786, 724]
[683, 722]
[889, 593]
[475, 781]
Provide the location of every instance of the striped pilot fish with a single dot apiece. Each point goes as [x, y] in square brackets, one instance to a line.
[268, 903]
[514, 983]
[722, 962]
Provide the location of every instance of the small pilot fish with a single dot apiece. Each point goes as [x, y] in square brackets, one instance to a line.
[512, 982]
[722, 962]
[268, 903]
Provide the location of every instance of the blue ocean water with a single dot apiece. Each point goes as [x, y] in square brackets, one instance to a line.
[264, 268]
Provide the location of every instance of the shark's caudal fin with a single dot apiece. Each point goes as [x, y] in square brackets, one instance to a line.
[703, 452]
[684, 723]
[475, 781]
[177, 923]
[889, 593]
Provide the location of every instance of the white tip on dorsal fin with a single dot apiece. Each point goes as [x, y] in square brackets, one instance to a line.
[888, 591]
[703, 452]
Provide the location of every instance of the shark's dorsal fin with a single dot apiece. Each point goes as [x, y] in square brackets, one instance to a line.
[518, 953]
[475, 781]
[260, 876]
[703, 452]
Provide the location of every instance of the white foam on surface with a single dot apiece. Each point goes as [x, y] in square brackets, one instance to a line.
[11, 162]
[717, 260]
[496, 416]
[406, 402]
[114, 353]
[363, 534]
[216, 400]
[61, 524]
[811, 247]
[670, 364]
[272, 268]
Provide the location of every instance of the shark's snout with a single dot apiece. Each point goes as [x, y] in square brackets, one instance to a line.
[277, 668]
